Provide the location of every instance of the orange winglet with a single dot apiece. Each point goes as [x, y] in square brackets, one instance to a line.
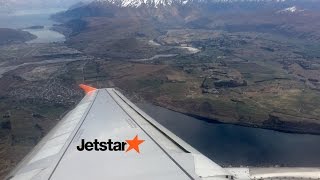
[86, 88]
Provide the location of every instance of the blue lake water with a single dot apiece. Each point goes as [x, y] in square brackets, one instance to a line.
[234, 145]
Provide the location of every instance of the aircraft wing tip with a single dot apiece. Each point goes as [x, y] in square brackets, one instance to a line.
[87, 89]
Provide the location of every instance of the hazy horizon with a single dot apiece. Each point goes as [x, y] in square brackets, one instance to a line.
[10, 6]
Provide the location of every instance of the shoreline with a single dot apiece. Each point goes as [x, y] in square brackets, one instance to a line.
[216, 121]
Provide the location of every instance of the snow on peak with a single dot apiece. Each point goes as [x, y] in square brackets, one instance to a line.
[292, 9]
[137, 3]
[158, 3]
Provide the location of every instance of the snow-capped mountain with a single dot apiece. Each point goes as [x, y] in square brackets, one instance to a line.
[158, 3]
[147, 16]
[137, 3]
[182, 10]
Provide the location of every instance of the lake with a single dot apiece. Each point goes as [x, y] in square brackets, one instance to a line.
[234, 145]
[45, 35]
[26, 18]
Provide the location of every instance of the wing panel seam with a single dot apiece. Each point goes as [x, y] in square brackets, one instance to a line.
[172, 159]
[163, 133]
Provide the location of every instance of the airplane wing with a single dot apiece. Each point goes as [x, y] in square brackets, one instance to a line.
[107, 137]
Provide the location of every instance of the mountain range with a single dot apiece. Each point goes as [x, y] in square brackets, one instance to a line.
[185, 8]
[158, 3]
[249, 3]
[202, 13]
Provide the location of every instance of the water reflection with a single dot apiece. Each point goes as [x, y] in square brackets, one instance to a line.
[236, 145]
[45, 35]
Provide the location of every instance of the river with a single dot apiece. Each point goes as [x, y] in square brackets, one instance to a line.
[235, 145]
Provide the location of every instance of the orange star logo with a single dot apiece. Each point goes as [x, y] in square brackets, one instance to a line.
[134, 144]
